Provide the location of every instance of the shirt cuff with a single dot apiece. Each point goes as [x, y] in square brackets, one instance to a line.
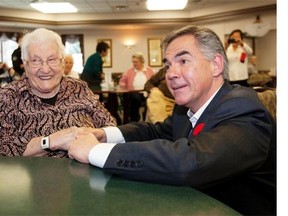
[113, 135]
[99, 154]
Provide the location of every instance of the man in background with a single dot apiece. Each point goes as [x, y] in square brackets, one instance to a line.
[17, 62]
[93, 68]
[160, 101]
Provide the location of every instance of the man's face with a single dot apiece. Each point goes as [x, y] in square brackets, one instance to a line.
[189, 75]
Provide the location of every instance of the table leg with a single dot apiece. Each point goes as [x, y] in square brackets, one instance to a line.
[112, 106]
[126, 108]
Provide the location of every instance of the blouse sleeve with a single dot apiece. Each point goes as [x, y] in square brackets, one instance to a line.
[11, 144]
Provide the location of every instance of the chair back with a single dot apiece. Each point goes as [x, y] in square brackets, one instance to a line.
[268, 98]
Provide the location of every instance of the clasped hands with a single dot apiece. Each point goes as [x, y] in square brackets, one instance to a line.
[78, 141]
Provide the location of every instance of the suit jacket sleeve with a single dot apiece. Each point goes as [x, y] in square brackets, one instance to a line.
[235, 140]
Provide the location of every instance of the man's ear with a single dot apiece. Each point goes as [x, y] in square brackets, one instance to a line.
[218, 64]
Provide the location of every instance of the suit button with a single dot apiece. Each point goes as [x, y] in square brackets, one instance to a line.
[132, 164]
[126, 163]
[139, 164]
[119, 163]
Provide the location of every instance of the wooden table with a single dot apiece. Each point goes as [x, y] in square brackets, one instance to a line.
[60, 186]
[112, 103]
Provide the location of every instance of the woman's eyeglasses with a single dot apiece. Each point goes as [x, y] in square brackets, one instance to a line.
[53, 62]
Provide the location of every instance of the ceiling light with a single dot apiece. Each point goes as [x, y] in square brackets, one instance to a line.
[57, 7]
[257, 28]
[166, 4]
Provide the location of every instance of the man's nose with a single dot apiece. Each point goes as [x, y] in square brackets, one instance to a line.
[173, 71]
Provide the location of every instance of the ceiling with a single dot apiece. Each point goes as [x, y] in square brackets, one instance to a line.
[124, 6]
[126, 13]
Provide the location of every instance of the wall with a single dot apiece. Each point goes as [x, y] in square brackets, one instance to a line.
[265, 46]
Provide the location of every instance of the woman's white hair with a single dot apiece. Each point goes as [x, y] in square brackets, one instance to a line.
[38, 36]
[139, 56]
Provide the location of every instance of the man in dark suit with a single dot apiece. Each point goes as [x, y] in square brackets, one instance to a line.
[220, 139]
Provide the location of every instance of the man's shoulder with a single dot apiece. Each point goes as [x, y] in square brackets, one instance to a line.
[237, 101]
[94, 56]
[241, 92]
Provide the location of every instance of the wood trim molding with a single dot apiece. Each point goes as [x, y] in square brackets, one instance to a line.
[169, 21]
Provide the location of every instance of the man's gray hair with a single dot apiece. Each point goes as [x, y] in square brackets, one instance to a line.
[208, 42]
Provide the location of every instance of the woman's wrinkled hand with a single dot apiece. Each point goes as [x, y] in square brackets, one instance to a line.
[61, 139]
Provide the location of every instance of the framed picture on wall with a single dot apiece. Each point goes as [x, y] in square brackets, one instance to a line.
[107, 59]
[154, 52]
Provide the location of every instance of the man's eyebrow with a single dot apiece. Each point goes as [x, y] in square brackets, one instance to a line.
[184, 52]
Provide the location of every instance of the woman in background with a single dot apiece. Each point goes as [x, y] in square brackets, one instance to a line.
[135, 78]
[237, 53]
[69, 62]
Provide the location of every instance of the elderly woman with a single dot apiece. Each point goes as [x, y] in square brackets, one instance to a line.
[69, 63]
[135, 78]
[44, 111]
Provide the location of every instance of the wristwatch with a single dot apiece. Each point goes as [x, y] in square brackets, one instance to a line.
[45, 143]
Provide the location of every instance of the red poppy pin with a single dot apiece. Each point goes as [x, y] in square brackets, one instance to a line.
[198, 128]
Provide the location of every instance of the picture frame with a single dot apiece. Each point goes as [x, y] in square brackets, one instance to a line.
[154, 52]
[107, 59]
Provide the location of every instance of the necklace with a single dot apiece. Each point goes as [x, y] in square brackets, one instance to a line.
[46, 97]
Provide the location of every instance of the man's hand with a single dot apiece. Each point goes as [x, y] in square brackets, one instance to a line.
[98, 133]
[79, 149]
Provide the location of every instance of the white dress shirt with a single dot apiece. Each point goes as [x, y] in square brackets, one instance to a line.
[99, 153]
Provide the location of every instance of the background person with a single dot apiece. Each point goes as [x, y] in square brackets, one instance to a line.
[220, 138]
[44, 111]
[93, 69]
[237, 53]
[17, 62]
[135, 78]
[5, 76]
[69, 62]
[160, 102]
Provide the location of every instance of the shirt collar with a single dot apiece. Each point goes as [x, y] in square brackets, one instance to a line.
[193, 117]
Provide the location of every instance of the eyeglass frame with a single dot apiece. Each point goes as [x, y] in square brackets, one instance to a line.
[41, 62]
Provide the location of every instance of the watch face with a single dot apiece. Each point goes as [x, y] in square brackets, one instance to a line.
[45, 143]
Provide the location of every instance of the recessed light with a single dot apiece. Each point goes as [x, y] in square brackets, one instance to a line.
[57, 7]
[166, 5]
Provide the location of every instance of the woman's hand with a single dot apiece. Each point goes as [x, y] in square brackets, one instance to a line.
[61, 139]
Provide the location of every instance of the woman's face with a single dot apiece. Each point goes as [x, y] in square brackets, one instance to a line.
[137, 63]
[68, 65]
[44, 79]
